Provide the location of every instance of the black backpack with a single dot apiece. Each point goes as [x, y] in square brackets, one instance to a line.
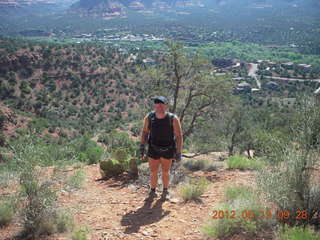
[152, 116]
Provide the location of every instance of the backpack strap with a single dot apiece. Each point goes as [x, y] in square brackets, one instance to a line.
[171, 117]
[151, 116]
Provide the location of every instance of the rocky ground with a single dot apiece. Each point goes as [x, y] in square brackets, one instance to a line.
[115, 208]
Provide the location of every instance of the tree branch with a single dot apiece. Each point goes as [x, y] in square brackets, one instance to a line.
[190, 96]
[178, 80]
[194, 118]
[195, 154]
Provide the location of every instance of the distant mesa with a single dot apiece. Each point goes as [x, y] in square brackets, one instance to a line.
[98, 8]
[9, 3]
[116, 8]
[22, 3]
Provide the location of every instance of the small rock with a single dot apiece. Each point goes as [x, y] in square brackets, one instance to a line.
[132, 187]
[174, 200]
[99, 228]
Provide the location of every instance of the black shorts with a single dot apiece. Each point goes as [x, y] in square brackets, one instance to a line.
[157, 152]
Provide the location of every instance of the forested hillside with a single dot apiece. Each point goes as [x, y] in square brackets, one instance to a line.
[75, 85]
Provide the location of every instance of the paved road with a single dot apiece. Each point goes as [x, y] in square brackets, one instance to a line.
[294, 79]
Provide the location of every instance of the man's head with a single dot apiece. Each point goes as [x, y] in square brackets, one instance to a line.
[160, 104]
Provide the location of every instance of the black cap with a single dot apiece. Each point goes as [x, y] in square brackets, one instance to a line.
[161, 99]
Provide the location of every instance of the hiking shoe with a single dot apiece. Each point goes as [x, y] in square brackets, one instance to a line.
[152, 195]
[165, 196]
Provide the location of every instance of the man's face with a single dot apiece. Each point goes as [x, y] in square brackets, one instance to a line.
[160, 107]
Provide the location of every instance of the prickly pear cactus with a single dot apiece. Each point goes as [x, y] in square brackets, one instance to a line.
[106, 165]
[110, 167]
[120, 155]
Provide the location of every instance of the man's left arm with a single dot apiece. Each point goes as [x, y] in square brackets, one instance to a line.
[178, 134]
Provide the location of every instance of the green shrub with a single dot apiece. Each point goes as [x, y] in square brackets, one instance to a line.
[243, 163]
[39, 124]
[64, 222]
[63, 134]
[94, 154]
[289, 185]
[136, 128]
[31, 149]
[297, 233]
[26, 90]
[40, 208]
[7, 211]
[80, 234]
[227, 226]
[76, 181]
[7, 178]
[116, 140]
[88, 150]
[194, 190]
[234, 192]
[201, 164]
[290, 182]
[268, 143]
[241, 213]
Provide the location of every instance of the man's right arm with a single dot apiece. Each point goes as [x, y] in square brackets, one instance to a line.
[145, 131]
[144, 136]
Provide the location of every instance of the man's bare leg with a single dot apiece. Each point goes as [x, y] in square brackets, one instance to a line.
[154, 168]
[165, 165]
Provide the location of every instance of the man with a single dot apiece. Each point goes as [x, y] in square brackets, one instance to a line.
[162, 132]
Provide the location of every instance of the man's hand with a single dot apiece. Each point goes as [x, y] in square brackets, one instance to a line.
[142, 150]
[176, 161]
[178, 157]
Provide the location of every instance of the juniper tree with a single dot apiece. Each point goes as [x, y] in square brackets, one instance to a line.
[187, 78]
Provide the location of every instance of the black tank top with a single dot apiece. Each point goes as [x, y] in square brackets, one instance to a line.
[161, 130]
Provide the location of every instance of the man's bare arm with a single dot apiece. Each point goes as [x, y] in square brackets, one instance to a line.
[145, 131]
[178, 134]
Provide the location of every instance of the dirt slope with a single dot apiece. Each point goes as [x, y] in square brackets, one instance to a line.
[114, 210]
